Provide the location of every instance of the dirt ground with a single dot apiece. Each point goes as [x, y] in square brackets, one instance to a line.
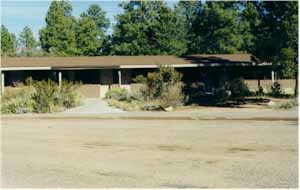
[98, 153]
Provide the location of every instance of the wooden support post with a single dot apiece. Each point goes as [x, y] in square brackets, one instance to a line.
[120, 77]
[2, 83]
[273, 76]
[59, 79]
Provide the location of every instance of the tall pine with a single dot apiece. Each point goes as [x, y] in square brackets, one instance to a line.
[58, 36]
[148, 28]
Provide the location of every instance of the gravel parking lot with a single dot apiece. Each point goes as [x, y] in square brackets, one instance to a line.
[99, 153]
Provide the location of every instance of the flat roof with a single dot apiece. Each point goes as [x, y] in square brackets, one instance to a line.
[81, 62]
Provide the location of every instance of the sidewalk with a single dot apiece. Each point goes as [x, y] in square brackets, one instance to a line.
[205, 114]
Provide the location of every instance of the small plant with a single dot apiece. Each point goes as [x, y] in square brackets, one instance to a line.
[238, 88]
[163, 85]
[195, 92]
[17, 101]
[221, 94]
[260, 91]
[159, 90]
[46, 99]
[172, 96]
[287, 104]
[120, 94]
[156, 82]
[276, 89]
[41, 97]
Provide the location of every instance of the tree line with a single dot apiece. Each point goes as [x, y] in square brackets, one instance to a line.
[266, 29]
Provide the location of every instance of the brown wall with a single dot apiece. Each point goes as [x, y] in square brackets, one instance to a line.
[90, 90]
[287, 85]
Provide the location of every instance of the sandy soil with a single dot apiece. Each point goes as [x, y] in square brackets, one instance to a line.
[149, 154]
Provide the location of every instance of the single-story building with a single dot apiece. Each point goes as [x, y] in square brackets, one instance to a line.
[98, 74]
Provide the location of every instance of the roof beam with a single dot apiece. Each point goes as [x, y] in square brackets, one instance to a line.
[23, 68]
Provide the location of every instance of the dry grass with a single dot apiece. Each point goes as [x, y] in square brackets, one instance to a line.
[240, 149]
[173, 148]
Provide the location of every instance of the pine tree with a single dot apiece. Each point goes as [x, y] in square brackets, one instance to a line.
[58, 36]
[27, 42]
[91, 31]
[148, 28]
[8, 42]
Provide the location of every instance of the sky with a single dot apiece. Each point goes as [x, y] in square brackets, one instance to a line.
[16, 14]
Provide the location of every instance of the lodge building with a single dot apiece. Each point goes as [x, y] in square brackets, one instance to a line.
[100, 73]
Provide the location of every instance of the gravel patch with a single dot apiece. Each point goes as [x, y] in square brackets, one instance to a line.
[93, 106]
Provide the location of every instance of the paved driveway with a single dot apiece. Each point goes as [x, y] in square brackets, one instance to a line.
[93, 106]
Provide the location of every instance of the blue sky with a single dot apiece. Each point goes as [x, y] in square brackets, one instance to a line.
[16, 14]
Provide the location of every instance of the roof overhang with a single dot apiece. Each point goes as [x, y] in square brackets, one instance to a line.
[125, 62]
[129, 66]
[23, 68]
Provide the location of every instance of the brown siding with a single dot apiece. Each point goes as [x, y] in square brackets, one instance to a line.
[287, 85]
[90, 90]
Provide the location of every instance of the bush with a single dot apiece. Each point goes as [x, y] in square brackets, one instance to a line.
[195, 92]
[286, 104]
[276, 89]
[238, 88]
[160, 89]
[221, 94]
[156, 82]
[163, 85]
[41, 97]
[172, 96]
[289, 104]
[152, 106]
[120, 94]
[260, 91]
[69, 95]
[124, 105]
[17, 101]
[47, 98]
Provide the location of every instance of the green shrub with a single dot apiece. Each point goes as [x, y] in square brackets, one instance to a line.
[238, 88]
[139, 93]
[195, 92]
[276, 89]
[156, 82]
[69, 95]
[221, 94]
[151, 106]
[172, 96]
[50, 98]
[287, 104]
[46, 99]
[18, 101]
[260, 91]
[160, 89]
[41, 97]
[124, 105]
[120, 94]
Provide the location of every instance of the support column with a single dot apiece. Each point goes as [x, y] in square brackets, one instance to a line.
[273, 76]
[59, 79]
[120, 77]
[2, 82]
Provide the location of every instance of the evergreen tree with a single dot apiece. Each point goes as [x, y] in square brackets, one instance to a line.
[8, 42]
[278, 36]
[281, 22]
[27, 41]
[58, 36]
[189, 10]
[217, 29]
[148, 28]
[91, 31]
